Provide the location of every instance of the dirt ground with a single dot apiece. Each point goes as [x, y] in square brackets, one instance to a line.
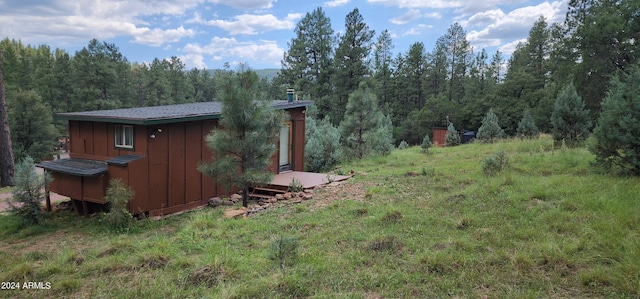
[4, 206]
[325, 195]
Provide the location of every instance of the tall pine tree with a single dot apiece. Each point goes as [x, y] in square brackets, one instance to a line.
[452, 138]
[605, 34]
[351, 62]
[243, 146]
[33, 132]
[7, 167]
[617, 144]
[490, 130]
[527, 126]
[364, 128]
[570, 119]
[382, 68]
[307, 65]
[458, 53]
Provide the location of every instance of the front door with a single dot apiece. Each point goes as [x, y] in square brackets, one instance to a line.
[284, 157]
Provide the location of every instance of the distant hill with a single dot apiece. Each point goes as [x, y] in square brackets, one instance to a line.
[267, 73]
[263, 73]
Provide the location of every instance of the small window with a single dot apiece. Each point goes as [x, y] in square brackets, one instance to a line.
[124, 136]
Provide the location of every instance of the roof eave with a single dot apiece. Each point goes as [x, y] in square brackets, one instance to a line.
[135, 121]
[156, 121]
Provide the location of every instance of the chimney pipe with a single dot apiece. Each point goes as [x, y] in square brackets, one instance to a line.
[290, 94]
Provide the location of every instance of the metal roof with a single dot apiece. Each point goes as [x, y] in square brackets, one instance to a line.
[78, 167]
[164, 114]
[123, 160]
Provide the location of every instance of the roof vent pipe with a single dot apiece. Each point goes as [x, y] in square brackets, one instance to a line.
[290, 94]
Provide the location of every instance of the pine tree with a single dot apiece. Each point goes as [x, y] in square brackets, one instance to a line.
[604, 35]
[364, 128]
[426, 144]
[118, 197]
[382, 68]
[27, 193]
[7, 167]
[243, 146]
[490, 130]
[458, 52]
[570, 119]
[617, 144]
[157, 85]
[179, 87]
[452, 138]
[410, 90]
[99, 81]
[351, 62]
[33, 133]
[526, 82]
[380, 141]
[527, 126]
[323, 148]
[307, 65]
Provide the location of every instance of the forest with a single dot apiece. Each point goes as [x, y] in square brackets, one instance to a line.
[417, 89]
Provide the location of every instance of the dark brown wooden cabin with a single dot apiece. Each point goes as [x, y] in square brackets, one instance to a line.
[156, 151]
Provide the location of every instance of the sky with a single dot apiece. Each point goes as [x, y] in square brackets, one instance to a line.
[210, 33]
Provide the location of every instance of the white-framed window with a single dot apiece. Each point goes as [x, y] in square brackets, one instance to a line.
[124, 136]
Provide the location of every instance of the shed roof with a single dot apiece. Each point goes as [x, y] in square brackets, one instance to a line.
[78, 167]
[164, 114]
[123, 160]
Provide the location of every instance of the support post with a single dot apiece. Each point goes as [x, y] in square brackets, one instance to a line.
[47, 198]
[85, 208]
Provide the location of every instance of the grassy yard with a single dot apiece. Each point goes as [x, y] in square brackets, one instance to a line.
[408, 225]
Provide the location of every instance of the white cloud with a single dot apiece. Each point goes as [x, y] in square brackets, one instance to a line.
[336, 3]
[496, 28]
[221, 48]
[484, 18]
[418, 30]
[433, 15]
[193, 60]
[246, 4]
[70, 22]
[473, 7]
[419, 3]
[509, 48]
[462, 7]
[251, 24]
[157, 37]
[410, 15]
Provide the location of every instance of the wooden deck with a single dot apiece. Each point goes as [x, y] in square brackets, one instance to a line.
[308, 179]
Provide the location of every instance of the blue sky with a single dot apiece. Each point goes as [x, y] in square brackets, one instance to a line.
[208, 33]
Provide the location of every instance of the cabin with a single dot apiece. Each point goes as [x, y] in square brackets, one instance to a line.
[156, 151]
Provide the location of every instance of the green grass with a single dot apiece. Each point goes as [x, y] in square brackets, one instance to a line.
[426, 226]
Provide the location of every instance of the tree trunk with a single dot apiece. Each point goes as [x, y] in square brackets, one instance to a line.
[245, 196]
[7, 167]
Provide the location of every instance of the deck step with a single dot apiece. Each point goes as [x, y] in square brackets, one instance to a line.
[264, 189]
[257, 195]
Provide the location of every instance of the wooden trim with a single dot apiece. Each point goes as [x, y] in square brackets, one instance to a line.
[290, 124]
[178, 208]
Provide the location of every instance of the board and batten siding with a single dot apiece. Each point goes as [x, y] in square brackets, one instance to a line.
[166, 178]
